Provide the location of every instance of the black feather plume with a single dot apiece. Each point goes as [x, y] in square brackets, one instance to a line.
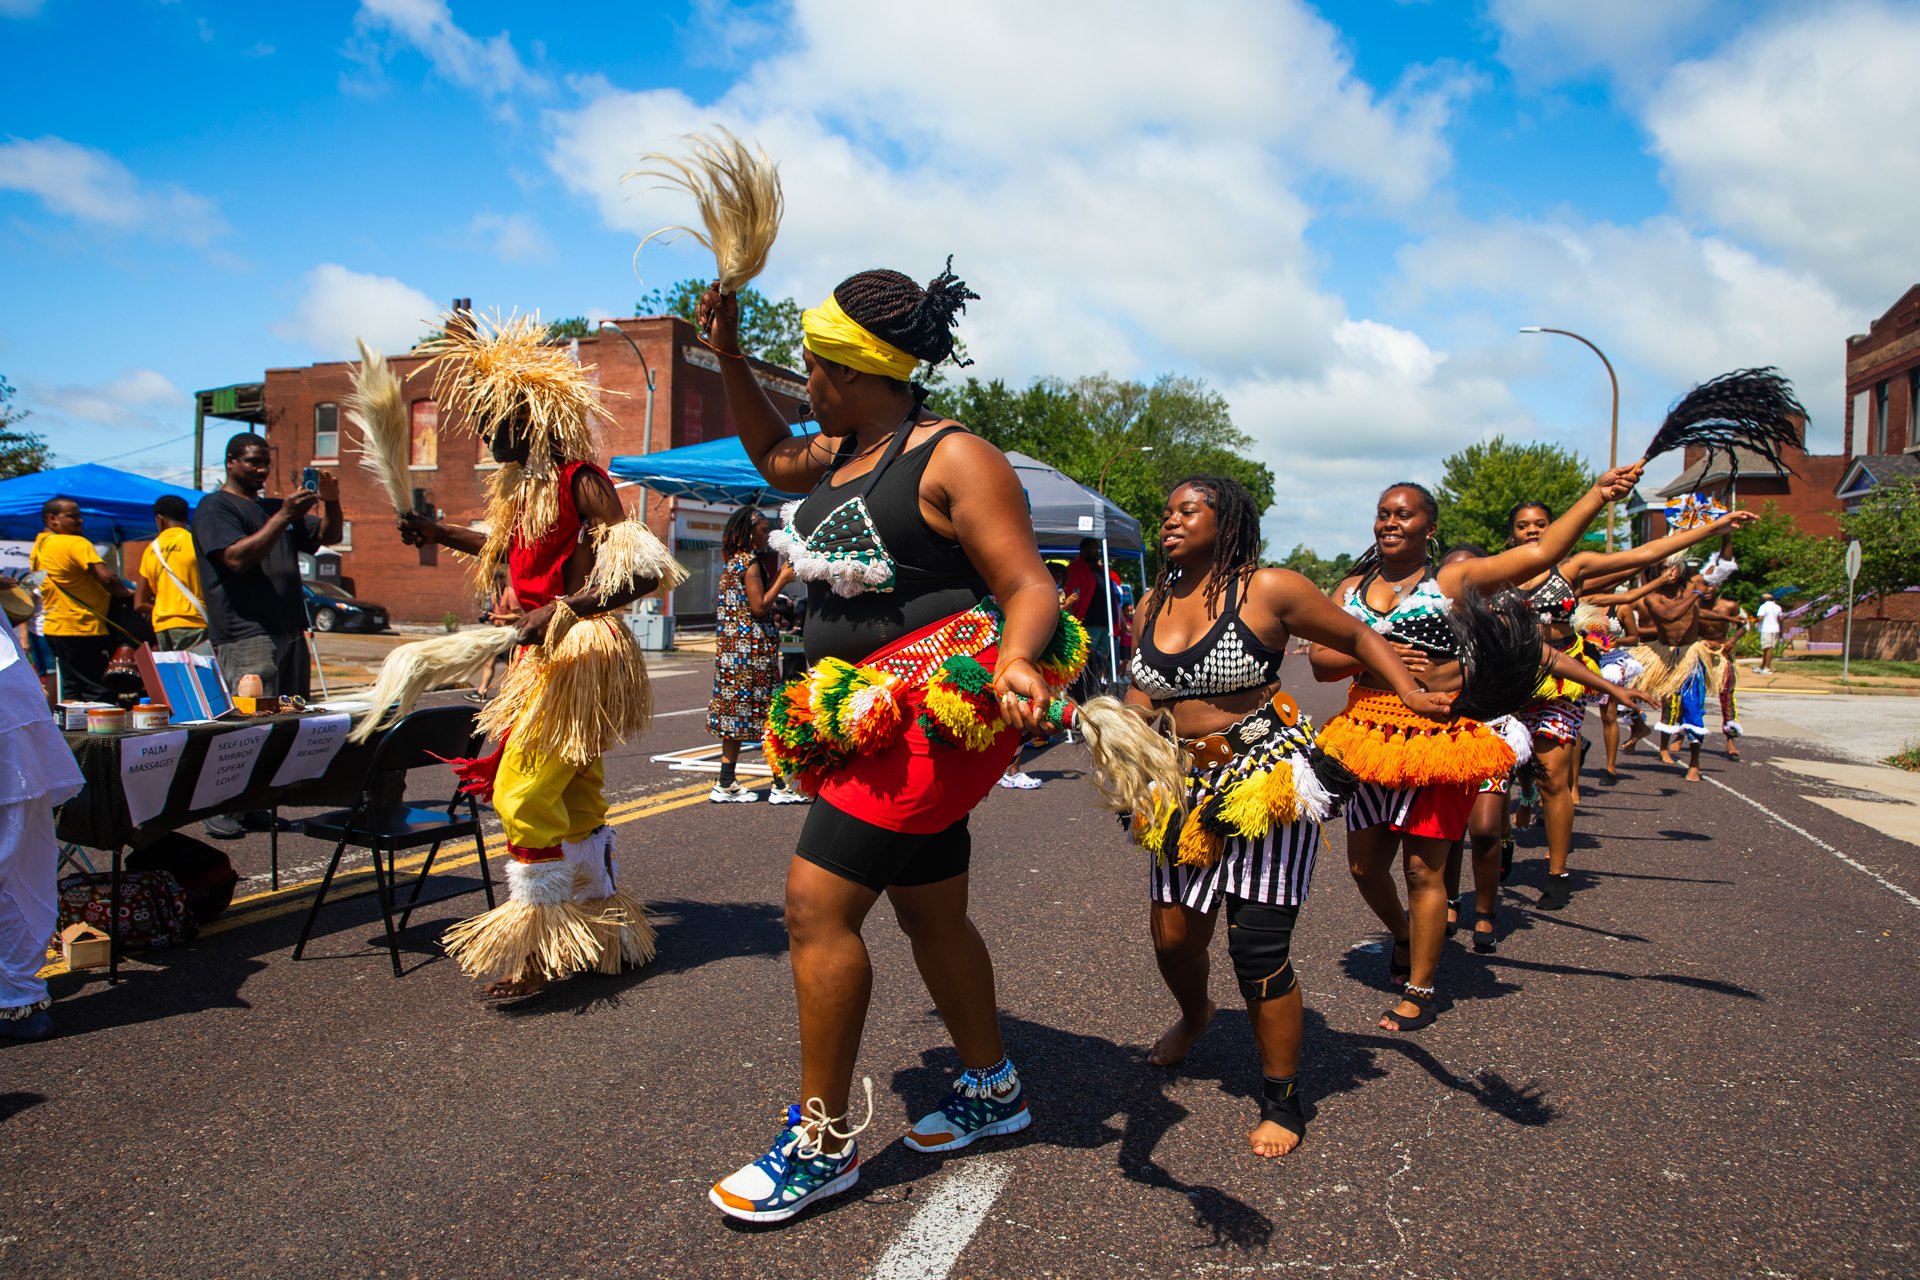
[1748, 408]
[1499, 640]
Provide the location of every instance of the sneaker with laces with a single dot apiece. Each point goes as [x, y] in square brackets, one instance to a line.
[733, 794]
[983, 1104]
[781, 795]
[792, 1175]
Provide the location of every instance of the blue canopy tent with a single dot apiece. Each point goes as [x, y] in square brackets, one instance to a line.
[117, 505]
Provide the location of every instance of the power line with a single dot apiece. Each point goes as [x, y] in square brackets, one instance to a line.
[143, 448]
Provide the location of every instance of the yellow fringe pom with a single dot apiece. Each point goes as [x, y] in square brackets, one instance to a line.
[1198, 846]
[1282, 800]
[958, 717]
[1244, 806]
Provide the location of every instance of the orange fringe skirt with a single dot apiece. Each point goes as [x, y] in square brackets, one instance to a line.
[1380, 740]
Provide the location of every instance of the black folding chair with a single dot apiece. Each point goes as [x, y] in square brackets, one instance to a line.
[424, 739]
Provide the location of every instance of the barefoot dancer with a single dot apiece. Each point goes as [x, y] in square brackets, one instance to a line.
[573, 560]
[1680, 666]
[1555, 719]
[1417, 785]
[1215, 628]
[911, 521]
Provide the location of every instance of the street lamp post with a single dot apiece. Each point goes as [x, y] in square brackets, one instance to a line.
[1106, 564]
[1613, 436]
[644, 368]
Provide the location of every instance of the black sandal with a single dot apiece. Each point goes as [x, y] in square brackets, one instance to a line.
[1506, 858]
[1484, 943]
[1280, 1104]
[1397, 972]
[1557, 894]
[1420, 998]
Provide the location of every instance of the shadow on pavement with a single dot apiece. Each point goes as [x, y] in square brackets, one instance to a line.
[12, 1104]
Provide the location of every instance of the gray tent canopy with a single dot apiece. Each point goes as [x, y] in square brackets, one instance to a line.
[1066, 511]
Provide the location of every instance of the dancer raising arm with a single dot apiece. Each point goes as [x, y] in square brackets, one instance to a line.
[1555, 718]
[910, 523]
[1417, 786]
[1213, 631]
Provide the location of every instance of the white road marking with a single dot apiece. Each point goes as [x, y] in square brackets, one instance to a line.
[690, 711]
[930, 1244]
[1911, 900]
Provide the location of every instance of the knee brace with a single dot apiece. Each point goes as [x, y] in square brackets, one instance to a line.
[1259, 938]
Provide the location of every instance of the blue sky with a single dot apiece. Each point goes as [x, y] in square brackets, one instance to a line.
[1338, 216]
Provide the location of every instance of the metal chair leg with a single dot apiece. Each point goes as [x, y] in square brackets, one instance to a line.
[273, 848]
[486, 872]
[383, 879]
[419, 883]
[113, 923]
[313, 912]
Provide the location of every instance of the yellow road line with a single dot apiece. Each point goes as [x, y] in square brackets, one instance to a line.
[295, 897]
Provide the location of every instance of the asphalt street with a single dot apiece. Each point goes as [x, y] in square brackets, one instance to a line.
[1704, 1067]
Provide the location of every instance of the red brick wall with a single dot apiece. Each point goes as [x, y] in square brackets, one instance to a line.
[1888, 353]
[419, 585]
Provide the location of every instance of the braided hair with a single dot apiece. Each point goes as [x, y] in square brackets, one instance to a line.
[894, 309]
[1370, 558]
[1236, 541]
[738, 535]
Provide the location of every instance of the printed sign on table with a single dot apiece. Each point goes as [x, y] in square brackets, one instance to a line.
[313, 749]
[148, 762]
[229, 766]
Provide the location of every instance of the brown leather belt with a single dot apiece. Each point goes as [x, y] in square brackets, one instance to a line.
[1215, 749]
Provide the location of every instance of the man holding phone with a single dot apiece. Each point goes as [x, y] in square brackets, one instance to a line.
[250, 565]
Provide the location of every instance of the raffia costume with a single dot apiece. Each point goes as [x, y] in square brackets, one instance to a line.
[568, 700]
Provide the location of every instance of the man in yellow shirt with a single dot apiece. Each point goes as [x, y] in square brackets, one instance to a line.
[169, 588]
[75, 592]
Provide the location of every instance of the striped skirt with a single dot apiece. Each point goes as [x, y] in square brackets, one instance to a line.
[1273, 869]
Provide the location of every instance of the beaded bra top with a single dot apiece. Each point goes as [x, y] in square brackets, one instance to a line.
[844, 550]
[1419, 619]
[1553, 599]
[1227, 659]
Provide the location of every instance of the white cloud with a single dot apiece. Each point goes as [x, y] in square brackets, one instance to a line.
[512, 237]
[1797, 136]
[133, 414]
[490, 66]
[1632, 40]
[340, 305]
[91, 186]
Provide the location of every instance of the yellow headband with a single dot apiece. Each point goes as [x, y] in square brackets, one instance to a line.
[833, 335]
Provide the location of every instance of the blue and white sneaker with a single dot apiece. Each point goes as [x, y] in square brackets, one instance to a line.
[793, 1174]
[983, 1104]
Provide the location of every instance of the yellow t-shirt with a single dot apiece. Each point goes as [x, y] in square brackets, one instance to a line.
[69, 560]
[171, 608]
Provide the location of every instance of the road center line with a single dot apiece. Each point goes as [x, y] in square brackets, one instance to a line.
[1811, 838]
[930, 1244]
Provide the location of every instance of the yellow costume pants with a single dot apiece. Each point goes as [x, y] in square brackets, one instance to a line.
[544, 801]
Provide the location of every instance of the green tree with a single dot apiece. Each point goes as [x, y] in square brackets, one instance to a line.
[1325, 574]
[21, 452]
[1887, 523]
[1774, 554]
[1101, 423]
[768, 329]
[571, 327]
[1482, 482]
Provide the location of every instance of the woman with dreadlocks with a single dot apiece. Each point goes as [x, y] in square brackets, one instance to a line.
[1417, 781]
[1555, 717]
[910, 523]
[1214, 629]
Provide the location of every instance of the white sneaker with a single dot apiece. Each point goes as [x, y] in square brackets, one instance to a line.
[780, 795]
[735, 794]
[1020, 781]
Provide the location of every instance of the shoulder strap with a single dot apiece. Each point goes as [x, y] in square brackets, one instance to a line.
[185, 590]
[894, 448]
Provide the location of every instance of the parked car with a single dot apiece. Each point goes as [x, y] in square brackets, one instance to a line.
[334, 610]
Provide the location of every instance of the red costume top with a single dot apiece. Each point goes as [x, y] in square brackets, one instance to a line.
[538, 570]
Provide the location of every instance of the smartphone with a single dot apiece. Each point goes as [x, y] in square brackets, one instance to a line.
[310, 479]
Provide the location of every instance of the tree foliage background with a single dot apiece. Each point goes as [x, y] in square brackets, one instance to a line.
[22, 452]
[768, 329]
[1483, 482]
[1087, 424]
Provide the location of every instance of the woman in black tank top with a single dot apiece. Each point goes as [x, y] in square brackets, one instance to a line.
[909, 519]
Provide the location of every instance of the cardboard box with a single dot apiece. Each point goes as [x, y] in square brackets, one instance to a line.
[85, 947]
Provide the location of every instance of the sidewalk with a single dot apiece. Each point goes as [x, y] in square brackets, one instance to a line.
[1784, 679]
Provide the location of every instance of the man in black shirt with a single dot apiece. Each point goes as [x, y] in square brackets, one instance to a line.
[250, 568]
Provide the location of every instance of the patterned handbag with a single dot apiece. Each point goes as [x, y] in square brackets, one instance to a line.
[153, 908]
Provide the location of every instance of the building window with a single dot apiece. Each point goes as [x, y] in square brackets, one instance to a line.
[1880, 418]
[346, 537]
[326, 432]
[1913, 408]
[424, 435]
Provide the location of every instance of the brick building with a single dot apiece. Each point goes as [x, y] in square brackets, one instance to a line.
[301, 417]
[1803, 490]
[1883, 402]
